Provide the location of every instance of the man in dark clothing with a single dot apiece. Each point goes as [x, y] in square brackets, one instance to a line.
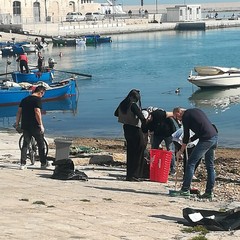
[162, 126]
[23, 61]
[40, 62]
[29, 114]
[196, 120]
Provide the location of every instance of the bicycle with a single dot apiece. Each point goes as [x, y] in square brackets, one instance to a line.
[33, 148]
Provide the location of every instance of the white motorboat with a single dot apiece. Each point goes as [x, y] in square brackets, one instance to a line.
[211, 76]
[80, 41]
[30, 47]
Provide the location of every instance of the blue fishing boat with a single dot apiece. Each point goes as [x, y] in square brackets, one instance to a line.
[12, 50]
[34, 76]
[12, 93]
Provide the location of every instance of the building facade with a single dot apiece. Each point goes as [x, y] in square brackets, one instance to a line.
[40, 11]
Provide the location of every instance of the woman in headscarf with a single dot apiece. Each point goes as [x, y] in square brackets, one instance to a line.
[129, 113]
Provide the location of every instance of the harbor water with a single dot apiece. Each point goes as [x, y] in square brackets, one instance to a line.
[156, 63]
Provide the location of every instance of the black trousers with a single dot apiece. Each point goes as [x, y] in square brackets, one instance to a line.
[39, 137]
[23, 64]
[135, 151]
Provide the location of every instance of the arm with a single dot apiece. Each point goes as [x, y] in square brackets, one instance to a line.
[169, 114]
[18, 116]
[38, 116]
[136, 110]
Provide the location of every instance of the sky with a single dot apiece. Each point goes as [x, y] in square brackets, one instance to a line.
[153, 2]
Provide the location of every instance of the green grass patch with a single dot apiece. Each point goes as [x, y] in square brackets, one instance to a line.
[199, 228]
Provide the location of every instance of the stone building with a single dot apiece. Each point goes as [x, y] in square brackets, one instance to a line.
[41, 11]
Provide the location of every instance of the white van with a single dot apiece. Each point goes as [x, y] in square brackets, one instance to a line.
[93, 16]
[74, 17]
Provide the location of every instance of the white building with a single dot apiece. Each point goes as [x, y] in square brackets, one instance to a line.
[40, 11]
[182, 13]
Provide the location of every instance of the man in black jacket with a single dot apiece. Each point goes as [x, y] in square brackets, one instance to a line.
[196, 120]
[161, 124]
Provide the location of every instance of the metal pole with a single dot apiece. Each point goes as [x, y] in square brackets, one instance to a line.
[156, 6]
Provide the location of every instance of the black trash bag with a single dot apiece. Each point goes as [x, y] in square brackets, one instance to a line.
[64, 170]
[214, 220]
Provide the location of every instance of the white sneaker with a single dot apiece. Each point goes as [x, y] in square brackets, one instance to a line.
[23, 166]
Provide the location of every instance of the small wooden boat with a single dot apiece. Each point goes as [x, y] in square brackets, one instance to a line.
[34, 76]
[63, 41]
[12, 50]
[97, 39]
[12, 93]
[215, 77]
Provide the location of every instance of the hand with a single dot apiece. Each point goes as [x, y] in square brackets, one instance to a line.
[41, 129]
[179, 155]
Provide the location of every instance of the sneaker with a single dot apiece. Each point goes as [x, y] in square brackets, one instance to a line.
[180, 193]
[23, 166]
[206, 196]
[44, 166]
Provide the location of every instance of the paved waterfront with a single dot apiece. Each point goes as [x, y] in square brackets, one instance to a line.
[34, 206]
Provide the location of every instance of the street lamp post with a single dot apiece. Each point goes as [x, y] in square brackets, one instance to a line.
[156, 6]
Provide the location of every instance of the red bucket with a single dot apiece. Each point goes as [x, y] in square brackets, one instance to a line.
[160, 161]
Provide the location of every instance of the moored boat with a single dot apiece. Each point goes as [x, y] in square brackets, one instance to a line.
[12, 93]
[63, 41]
[12, 50]
[30, 48]
[97, 39]
[215, 77]
[34, 76]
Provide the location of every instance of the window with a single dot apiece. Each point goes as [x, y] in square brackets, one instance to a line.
[17, 8]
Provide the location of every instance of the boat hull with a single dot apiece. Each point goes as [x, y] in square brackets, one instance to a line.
[29, 48]
[64, 41]
[14, 95]
[33, 77]
[222, 80]
[97, 39]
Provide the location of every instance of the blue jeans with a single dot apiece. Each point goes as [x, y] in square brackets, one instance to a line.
[169, 146]
[207, 148]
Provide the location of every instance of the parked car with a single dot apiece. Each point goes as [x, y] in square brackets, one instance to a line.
[93, 16]
[74, 17]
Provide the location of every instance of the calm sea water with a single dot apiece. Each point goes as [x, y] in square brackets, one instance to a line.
[157, 64]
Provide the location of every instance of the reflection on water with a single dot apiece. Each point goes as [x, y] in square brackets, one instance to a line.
[8, 113]
[219, 99]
